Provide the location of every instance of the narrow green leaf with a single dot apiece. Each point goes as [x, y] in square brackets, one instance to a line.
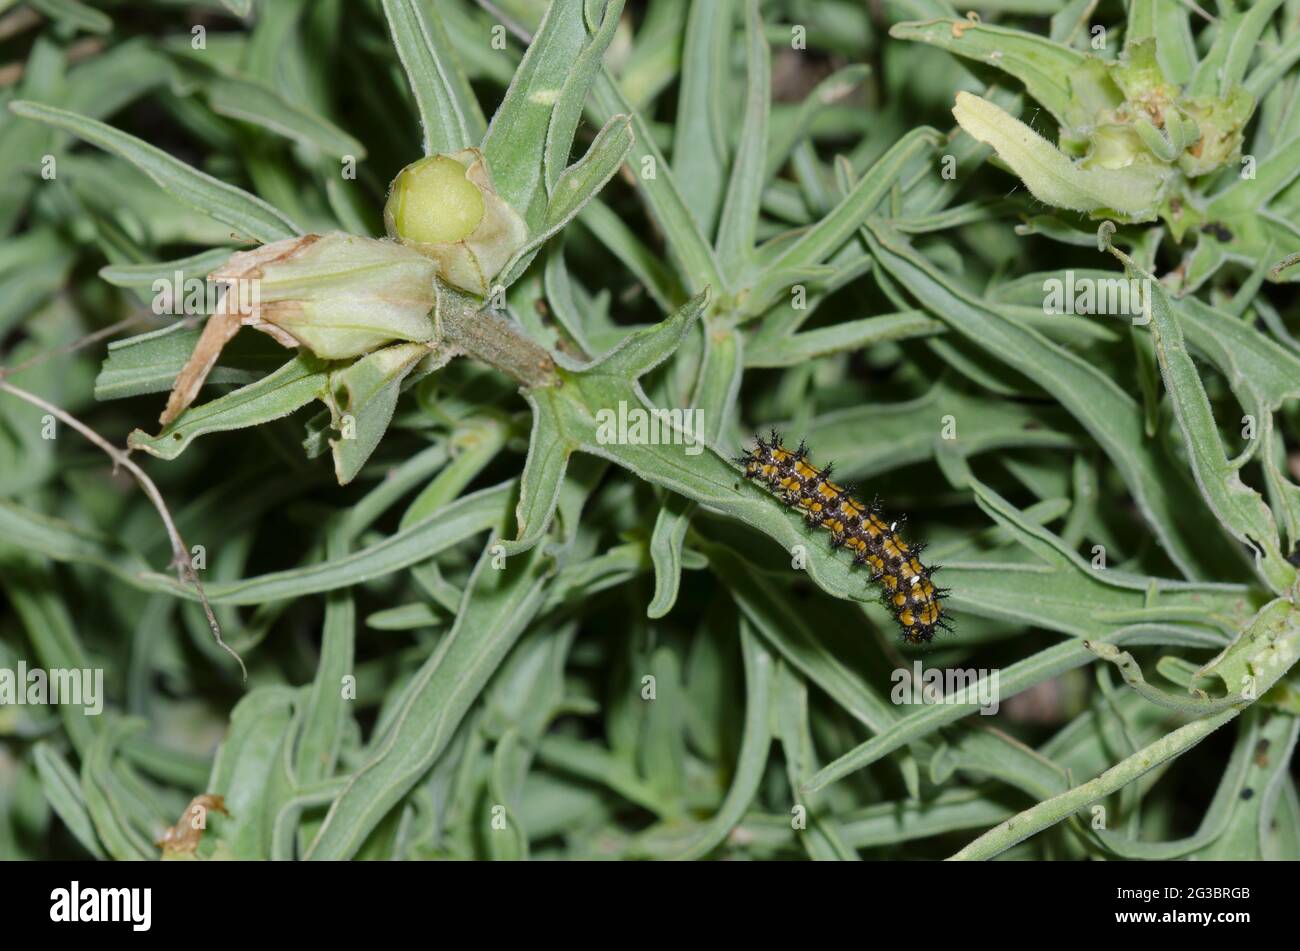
[325, 709]
[142, 277]
[739, 224]
[1111, 416]
[441, 529]
[250, 752]
[577, 186]
[852, 335]
[293, 386]
[1244, 42]
[75, 14]
[149, 362]
[63, 790]
[689, 250]
[449, 112]
[543, 478]
[252, 102]
[251, 217]
[1253, 829]
[1175, 45]
[786, 135]
[715, 397]
[666, 541]
[646, 266]
[1239, 508]
[498, 605]
[1074, 87]
[515, 143]
[117, 825]
[756, 741]
[825, 237]
[643, 350]
[362, 397]
[823, 838]
[700, 148]
[573, 96]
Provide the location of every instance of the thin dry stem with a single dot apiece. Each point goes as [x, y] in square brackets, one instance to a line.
[76, 345]
[180, 553]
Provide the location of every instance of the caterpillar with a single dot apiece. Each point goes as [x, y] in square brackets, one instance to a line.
[906, 586]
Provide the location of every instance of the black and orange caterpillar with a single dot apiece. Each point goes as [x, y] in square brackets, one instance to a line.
[906, 588]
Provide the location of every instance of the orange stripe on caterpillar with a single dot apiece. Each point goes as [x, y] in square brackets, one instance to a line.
[905, 583]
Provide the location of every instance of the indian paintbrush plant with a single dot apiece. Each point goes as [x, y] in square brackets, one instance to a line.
[1153, 134]
[495, 255]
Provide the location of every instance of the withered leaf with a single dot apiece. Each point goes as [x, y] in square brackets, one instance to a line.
[183, 838]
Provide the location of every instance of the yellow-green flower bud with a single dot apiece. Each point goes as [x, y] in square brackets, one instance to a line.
[433, 202]
[446, 208]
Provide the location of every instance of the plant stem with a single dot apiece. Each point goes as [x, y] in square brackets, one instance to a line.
[1051, 811]
[180, 553]
[465, 326]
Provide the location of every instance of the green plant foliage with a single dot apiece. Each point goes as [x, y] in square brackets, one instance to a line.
[443, 550]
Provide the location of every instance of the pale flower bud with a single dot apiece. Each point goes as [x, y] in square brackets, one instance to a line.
[336, 295]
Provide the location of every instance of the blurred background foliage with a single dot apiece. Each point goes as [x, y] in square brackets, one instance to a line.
[506, 714]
